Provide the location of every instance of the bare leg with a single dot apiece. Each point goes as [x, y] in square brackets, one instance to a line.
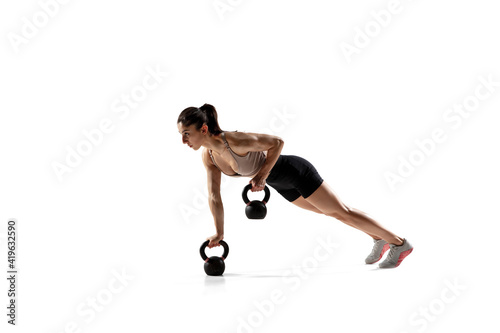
[327, 202]
[303, 203]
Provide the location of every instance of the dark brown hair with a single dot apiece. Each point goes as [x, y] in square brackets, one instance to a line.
[205, 114]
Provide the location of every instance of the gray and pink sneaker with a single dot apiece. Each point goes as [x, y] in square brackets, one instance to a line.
[396, 255]
[380, 246]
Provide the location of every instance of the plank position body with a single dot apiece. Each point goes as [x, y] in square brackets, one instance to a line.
[258, 156]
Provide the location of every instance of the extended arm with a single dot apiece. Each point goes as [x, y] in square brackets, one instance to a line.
[214, 199]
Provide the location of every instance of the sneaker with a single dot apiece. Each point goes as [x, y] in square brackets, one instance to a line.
[396, 255]
[379, 248]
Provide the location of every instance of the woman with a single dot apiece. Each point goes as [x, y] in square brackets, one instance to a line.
[258, 156]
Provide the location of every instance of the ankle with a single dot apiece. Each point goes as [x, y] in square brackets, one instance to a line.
[398, 241]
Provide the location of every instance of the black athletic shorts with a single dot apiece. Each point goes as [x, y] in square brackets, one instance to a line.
[293, 176]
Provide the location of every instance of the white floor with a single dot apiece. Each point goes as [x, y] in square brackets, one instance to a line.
[301, 272]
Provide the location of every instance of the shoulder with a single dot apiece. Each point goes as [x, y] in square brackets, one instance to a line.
[207, 160]
[252, 141]
[241, 138]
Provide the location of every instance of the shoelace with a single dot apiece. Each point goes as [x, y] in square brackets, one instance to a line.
[377, 248]
[391, 253]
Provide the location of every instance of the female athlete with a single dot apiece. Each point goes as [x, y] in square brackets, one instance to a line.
[258, 156]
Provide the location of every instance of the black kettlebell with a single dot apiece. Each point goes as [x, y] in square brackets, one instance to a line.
[214, 266]
[256, 209]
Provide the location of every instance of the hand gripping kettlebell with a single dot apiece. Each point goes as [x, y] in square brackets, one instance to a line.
[255, 209]
[214, 266]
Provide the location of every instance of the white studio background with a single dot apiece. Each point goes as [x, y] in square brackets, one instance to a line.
[395, 103]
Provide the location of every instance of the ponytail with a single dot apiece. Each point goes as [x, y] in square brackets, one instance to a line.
[212, 122]
[205, 114]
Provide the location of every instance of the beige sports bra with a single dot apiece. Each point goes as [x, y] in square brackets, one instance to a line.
[248, 165]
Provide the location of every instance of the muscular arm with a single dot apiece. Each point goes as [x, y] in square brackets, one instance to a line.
[260, 142]
[214, 197]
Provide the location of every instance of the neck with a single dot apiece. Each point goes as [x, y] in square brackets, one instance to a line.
[214, 143]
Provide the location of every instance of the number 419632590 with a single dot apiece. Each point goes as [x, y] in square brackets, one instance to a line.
[11, 244]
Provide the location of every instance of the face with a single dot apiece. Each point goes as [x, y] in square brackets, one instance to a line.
[191, 136]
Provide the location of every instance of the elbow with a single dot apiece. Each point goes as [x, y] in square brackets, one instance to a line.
[279, 143]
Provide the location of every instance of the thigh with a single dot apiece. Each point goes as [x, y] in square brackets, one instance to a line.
[327, 201]
[302, 203]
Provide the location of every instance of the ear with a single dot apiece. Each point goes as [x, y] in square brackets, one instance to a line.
[204, 129]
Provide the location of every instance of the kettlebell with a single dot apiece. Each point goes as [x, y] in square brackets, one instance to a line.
[214, 266]
[255, 209]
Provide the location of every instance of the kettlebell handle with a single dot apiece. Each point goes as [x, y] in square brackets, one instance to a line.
[249, 187]
[205, 244]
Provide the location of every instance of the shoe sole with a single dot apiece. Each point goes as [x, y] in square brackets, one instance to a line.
[403, 255]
